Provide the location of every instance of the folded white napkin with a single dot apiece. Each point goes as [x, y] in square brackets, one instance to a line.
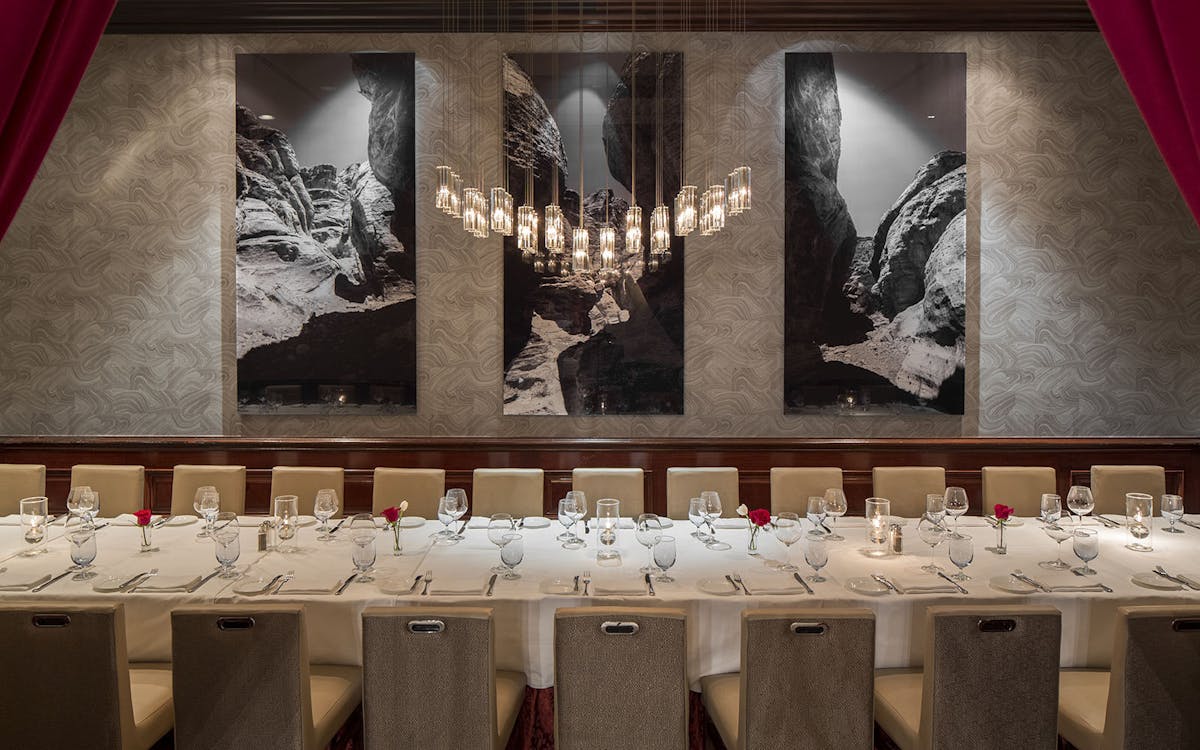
[1066, 581]
[730, 523]
[22, 580]
[313, 583]
[445, 587]
[967, 522]
[618, 584]
[921, 583]
[858, 522]
[772, 583]
[477, 522]
[163, 583]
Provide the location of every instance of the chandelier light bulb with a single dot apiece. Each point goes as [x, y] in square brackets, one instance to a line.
[685, 211]
[442, 198]
[502, 211]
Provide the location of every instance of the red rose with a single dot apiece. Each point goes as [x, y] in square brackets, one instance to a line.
[760, 516]
[1003, 512]
[143, 516]
[391, 515]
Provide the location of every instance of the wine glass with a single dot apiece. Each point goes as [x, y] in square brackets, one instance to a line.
[664, 557]
[1172, 510]
[816, 554]
[363, 552]
[81, 501]
[696, 516]
[1087, 548]
[935, 507]
[1080, 501]
[578, 502]
[816, 514]
[1059, 535]
[207, 503]
[499, 527]
[956, 504]
[788, 531]
[227, 542]
[511, 554]
[962, 552]
[932, 533]
[1051, 507]
[34, 518]
[83, 551]
[458, 509]
[444, 513]
[711, 503]
[648, 531]
[324, 508]
[286, 519]
[835, 508]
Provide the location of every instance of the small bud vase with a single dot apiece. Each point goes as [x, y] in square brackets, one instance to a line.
[1001, 548]
[752, 548]
[146, 546]
[397, 548]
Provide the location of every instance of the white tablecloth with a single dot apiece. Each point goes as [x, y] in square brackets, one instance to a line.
[525, 615]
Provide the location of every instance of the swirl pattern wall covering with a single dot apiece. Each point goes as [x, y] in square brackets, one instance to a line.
[116, 279]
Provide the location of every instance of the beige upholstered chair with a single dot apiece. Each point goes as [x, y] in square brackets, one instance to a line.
[460, 699]
[626, 485]
[422, 488]
[19, 481]
[990, 681]
[229, 481]
[1020, 487]
[122, 489]
[242, 680]
[620, 678]
[779, 651]
[685, 483]
[1110, 484]
[791, 487]
[514, 491]
[304, 482]
[1151, 697]
[66, 681]
[907, 486]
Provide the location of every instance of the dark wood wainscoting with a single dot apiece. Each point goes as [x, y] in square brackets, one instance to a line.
[962, 458]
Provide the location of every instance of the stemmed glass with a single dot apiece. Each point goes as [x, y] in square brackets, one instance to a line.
[286, 518]
[578, 501]
[83, 551]
[500, 526]
[962, 552]
[569, 514]
[788, 530]
[816, 554]
[34, 517]
[933, 534]
[512, 552]
[459, 509]
[956, 504]
[816, 514]
[324, 508]
[227, 542]
[664, 557]
[81, 502]
[207, 503]
[1051, 508]
[935, 507]
[1172, 510]
[1080, 502]
[835, 508]
[363, 553]
[1087, 548]
[711, 503]
[1059, 535]
[648, 531]
[696, 516]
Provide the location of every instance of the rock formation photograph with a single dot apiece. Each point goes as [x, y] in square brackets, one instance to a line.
[875, 232]
[579, 342]
[325, 216]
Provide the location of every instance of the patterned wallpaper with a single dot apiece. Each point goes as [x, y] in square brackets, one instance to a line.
[116, 279]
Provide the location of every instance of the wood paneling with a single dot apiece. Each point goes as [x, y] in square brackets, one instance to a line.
[754, 458]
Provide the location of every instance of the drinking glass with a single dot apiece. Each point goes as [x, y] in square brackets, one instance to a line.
[207, 503]
[664, 557]
[286, 518]
[816, 514]
[1059, 535]
[569, 514]
[1051, 508]
[1172, 510]
[444, 513]
[608, 516]
[227, 543]
[835, 508]
[81, 502]
[578, 502]
[324, 508]
[956, 504]
[1080, 502]
[500, 526]
[511, 554]
[458, 509]
[648, 531]
[696, 516]
[788, 531]
[363, 554]
[933, 534]
[711, 508]
[34, 517]
[1087, 548]
[962, 552]
[935, 507]
[1139, 521]
[816, 554]
[83, 551]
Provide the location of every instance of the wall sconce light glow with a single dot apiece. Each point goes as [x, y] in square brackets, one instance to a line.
[266, 117]
[930, 117]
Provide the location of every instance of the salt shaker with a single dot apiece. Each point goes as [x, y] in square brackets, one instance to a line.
[896, 539]
[266, 536]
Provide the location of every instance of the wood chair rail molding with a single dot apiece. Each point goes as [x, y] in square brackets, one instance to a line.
[962, 458]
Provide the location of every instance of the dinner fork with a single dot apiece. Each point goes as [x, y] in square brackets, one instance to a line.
[282, 581]
[587, 581]
[136, 581]
[428, 580]
[738, 577]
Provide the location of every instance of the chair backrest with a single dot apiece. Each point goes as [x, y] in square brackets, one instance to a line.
[304, 482]
[514, 491]
[779, 649]
[229, 481]
[1154, 689]
[791, 487]
[422, 488]
[684, 483]
[1110, 484]
[990, 678]
[19, 481]
[626, 485]
[907, 486]
[429, 677]
[122, 489]
[64, 658]
[1020, 487]
[620, 678]
[240, 677]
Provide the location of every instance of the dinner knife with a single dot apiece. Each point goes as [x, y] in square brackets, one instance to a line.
[1186, 522]
[576, 588]
[58, 577]
[952, 582]
[745, 589]
[1107, 521]
[650, 585]
[890, 586]
[800, 580]
[345, 584]
[1160, 570]
[732, 583]
[196, 586]
[492, 583]
[416, 582]
[461, 529]
[1026, 579]
[161, 521]
[334, 530]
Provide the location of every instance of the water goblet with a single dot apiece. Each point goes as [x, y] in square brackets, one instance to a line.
[935, 507]
[932, 533]
[1059, 535]
[445, 514]
[569, 513]
[1172, 510]
[227, 543]
[83, 551]
[648, 531]
[1080, 501]
[458, 509]
[363, 553]
[81, 502]
[664, 557]
[816, 554]
[835, 508]
[712, 511]
[696, 516]
[500, 526]
[788, 531]
[1051, 508]
[962, 552]
[325, 507]
[816, 514]
[956, 504]
[511, 554]
[1086, 543]
[207, 503]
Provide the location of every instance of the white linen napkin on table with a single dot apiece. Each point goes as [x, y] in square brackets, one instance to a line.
[22, 580]
[772, 583]
[618, 583]
[161, 583]
[730, 523]
[1066, 581]
[313, 583]
[444, 587]
[922, 583]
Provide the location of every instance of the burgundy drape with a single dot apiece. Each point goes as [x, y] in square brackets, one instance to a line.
[45, 45]
[1156, 44]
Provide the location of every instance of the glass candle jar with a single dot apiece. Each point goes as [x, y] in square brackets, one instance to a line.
[1139, 521]
[608, 517]
[878, 514]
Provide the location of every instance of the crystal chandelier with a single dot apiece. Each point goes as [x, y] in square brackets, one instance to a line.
[442, 199]
[608, 254]
[502, 211]
[737, 190]
[633, 229]
[581, 262]
[456, 191]
[660, 233]
[475, 212]
[685, 211]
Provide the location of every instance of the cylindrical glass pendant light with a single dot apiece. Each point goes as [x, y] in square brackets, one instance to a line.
[737, 190]
[456, 192]
[556, 229]
[502, 211]
[442, 199]
[660, 231]
[581, 260]
[633, 229]
[717, 207]
[527, 223]
[685, 211]
[475, 212]
[705, 219]
[608, 254]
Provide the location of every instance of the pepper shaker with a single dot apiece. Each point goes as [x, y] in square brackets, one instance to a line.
[896, 539]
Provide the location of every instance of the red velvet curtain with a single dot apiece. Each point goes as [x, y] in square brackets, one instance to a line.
[45, 46]
[1156, 47]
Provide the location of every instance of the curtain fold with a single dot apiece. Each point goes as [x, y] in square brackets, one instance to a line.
[45, 46]
[1155, 45]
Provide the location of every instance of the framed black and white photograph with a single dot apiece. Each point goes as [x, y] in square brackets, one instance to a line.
[875, 232]
[326, 299]
[593, 340]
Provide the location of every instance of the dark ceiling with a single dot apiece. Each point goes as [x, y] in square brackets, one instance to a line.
[290, 16]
